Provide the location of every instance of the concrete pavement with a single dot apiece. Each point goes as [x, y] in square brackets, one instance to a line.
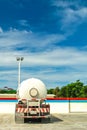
[72, 121]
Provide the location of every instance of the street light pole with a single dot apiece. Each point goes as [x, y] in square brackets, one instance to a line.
[19, 60]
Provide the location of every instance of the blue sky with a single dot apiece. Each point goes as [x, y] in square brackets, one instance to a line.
[51, 35]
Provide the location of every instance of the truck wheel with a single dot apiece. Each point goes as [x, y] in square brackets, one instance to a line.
[18, 119]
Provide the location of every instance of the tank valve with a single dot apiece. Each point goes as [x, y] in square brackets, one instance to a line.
[33, 92]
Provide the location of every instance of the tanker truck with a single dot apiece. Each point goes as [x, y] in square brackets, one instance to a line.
[31, 103]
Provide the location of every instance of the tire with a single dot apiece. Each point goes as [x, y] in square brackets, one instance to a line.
[18, 119]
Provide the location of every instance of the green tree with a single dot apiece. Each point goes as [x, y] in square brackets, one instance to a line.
[50, 91]
[84, 91]
[75, 89]
[56, 91]
[7, 91]
[63, 92]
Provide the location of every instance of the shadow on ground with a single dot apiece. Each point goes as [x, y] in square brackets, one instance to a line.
[53, 119]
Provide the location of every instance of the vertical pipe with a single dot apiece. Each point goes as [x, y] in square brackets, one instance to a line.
[69, 104]
[19, 74]
[18, 78]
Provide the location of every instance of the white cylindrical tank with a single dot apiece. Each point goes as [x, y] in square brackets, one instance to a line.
[32, 88]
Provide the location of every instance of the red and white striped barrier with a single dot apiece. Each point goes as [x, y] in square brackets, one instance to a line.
[25, 110]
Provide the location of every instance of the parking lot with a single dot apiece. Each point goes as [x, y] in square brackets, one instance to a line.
[76, 121]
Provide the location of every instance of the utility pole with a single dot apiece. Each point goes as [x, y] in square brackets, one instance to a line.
[19, 60]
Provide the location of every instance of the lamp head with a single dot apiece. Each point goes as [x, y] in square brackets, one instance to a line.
[20, 58]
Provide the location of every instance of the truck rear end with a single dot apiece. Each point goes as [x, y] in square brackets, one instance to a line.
[27, 110]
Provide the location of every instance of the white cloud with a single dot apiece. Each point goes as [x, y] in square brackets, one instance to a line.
[63, 4]
[74, 16]
[24, 22]
[82, 12]
[15, 38]
[58, 57]
[50, 57]
[71, 13]
[73, 59]
[1, 30]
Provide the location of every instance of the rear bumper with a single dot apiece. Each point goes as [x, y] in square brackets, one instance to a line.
[33, 116]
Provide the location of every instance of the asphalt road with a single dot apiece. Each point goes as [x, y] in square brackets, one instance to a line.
[72, 121]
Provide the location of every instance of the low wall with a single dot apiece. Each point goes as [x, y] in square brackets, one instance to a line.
[67, 105]
[78, 106]
[57, 105]
[7, 107]
[54, 107]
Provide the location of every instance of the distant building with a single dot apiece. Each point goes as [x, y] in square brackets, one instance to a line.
[51, 95]
[7, 88]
